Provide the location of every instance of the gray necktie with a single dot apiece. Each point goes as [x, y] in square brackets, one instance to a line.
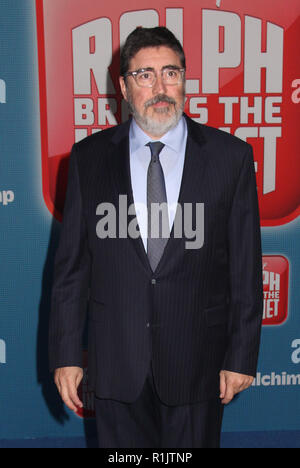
[158, 225]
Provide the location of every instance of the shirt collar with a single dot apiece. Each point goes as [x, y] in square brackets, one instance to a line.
[174, 138]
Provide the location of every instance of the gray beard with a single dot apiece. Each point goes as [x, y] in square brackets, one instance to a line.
[152, 126]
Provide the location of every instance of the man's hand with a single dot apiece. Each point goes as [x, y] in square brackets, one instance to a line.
[67, 380]
[232, 383]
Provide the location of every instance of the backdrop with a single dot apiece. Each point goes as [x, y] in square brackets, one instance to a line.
[59, 64]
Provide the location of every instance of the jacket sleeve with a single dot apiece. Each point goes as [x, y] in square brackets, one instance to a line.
[245, 260]
[71, 279]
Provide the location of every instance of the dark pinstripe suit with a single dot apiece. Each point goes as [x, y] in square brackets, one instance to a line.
[198, 313]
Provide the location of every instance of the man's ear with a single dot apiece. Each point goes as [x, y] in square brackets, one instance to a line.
[123, 87]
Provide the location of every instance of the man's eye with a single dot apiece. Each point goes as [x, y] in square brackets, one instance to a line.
[145, 76]
[171, 73]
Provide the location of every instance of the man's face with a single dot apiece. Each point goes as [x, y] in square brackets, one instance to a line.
[156, 109]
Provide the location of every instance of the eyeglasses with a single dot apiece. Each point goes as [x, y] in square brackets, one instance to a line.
[147, 77]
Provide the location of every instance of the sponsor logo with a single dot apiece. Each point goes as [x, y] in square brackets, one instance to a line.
[295, 357]
[234, 82]
[2, 352]
[2, 92]
[281, 379]
[276, 288]
[6, 197]
[276, 379]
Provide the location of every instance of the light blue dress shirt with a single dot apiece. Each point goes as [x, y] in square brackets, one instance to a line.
[172, 161]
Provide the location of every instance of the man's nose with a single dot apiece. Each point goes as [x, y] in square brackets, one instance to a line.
[159, 86]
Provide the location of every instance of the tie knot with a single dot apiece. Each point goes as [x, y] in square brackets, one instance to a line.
[155, 148]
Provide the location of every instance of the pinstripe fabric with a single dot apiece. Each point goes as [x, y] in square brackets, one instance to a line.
[203, 311]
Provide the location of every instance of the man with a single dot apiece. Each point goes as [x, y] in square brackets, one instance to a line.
[174, 327]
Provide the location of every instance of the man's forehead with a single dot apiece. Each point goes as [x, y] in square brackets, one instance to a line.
[149, 56]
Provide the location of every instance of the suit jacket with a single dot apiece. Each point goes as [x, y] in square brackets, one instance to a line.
[199, 312]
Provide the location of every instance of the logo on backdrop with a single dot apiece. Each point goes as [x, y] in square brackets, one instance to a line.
[276, 379]
[2, 92]
[276, 289]
[2, 352]
[281, 378]
[6, 197]
[296, 351]
[243, 77]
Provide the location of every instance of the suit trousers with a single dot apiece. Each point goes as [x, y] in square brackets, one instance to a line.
[149, 423]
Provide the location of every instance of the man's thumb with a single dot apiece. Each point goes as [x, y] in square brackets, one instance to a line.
[222, 385]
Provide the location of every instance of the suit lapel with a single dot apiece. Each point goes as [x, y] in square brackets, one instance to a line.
[120, 171]
[191, 183]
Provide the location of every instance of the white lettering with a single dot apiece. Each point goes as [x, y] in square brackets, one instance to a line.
[199, 114]
[174, 22]
[246, 132]
[270, 109]
[192, 87]
[228, 102]
[2, 92]
[270, 135]
[255, 59]
[266, 380]
[92, 55]
[296, 93]
[272, 280]
[6, 197]
[198, 232]
[2, 352]
[120, 458]
[83, 109]
[275, 379]
[271, 308]
[212, 59]
[256, 110]
[80, 134]
[106, 227]
[107, 108]
[296, 354]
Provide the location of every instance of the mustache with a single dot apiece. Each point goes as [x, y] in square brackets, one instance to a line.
[159, 98]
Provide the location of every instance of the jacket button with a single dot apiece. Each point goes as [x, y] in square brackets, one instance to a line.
[148, 325]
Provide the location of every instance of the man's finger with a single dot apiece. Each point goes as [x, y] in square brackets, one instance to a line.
[229, 394]
[247, 383]
[67, 380]
[67, 387]
[222, 385]
[67, 399]
[74, 398]
[71, 385]
[233, 383]
[78, 380]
